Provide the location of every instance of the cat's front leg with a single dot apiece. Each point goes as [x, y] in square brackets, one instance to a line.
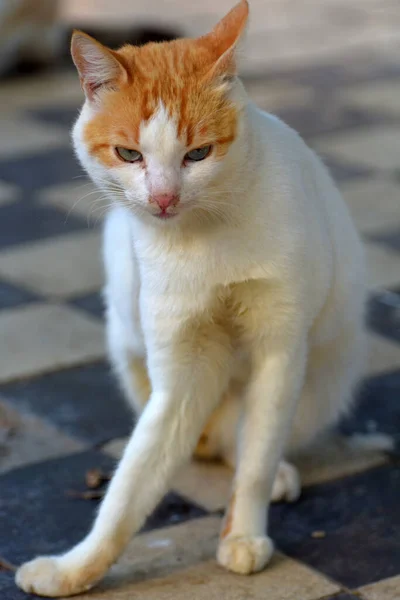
[271, 401]
[188, 376]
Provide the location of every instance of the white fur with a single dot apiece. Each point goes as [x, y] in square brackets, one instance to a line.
[258, 294]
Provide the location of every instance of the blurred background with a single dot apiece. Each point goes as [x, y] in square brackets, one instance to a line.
[329, 68]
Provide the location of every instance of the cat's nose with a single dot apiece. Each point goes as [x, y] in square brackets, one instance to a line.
[165, 200]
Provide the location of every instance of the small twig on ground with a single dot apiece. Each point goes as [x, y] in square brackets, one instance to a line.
[6, 566]
[96, 477]
[86, 495]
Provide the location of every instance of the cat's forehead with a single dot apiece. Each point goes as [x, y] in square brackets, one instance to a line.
[167, 82]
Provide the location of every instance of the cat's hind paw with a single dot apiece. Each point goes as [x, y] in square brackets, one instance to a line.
[45, 576]
[287, 484]
[245, 554]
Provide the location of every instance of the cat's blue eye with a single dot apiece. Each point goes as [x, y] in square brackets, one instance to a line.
[128, 155]
[198, 153]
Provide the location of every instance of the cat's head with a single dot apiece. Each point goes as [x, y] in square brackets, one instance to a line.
[160, 121]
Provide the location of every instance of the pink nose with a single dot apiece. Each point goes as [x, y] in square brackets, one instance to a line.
[165, 200]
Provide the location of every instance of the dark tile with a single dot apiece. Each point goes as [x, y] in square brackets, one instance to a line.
[360, 517]
[84, 402]
[35, 171]
[377, 409]
[11, 296]
[345, 171]
[39, 517]
[328, 117]
[390, 239]
[56, 116]
[383, 314]
[91, 303]
[22, 222]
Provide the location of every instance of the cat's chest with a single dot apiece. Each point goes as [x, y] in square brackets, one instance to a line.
[196, 269]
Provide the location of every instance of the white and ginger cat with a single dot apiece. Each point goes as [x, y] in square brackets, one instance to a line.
[234, 289]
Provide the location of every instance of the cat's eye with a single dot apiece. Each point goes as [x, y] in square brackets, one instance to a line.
[128, 155]
[198, 153]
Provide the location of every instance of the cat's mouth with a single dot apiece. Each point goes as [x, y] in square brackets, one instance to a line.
[163, 215]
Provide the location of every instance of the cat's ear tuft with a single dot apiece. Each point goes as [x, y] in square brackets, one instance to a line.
[97, 65]
[224, 39]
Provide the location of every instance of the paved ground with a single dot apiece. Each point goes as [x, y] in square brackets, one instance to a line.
[61, 415]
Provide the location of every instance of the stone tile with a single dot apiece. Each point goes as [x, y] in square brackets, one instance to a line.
[43, 168]
[43, 90]
[272, 96]
[21, 136]
[75, 198]
[383, 355]
[327, 116]
[338, 456]
[8, 193]
[178, 563]
[38, 495]
[383, 314]
[389, 238]
[91, 303]
[63, 116]
[59, 267]
[360, 517]
[373, 96]
[382, 266]
[22, 222]
[12, 296]
[377, 146]
[374, 204]
[388, 589]
[26, 439]
[44, 337]
[84, 402]
[377, 410]
[345, 171]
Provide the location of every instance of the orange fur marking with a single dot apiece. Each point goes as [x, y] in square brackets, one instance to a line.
[228, 522]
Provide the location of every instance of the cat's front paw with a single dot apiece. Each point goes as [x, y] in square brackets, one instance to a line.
[45, 576]
[245, 554]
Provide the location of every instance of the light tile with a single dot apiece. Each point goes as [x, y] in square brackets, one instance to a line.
[207, 484]
[21, 136]
[383, 266]
[59, 267]
[383, 355]
[376, 147]
[8, 193]
[277, 95]
[337, 456]
[388, 589]
[80, 199]
[177, 563]
[43, 90]
[374, 203]
[26, 439]
[43, 337]
[374, 96]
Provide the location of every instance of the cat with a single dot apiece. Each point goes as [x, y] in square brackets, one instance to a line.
[234, 289]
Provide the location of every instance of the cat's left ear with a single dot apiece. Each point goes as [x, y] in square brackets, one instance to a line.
[224, 38]
[98, 66]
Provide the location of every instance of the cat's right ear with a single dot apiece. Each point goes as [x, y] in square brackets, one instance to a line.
[98, 66]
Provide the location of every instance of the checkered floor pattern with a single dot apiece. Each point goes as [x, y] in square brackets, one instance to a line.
[60, 411]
